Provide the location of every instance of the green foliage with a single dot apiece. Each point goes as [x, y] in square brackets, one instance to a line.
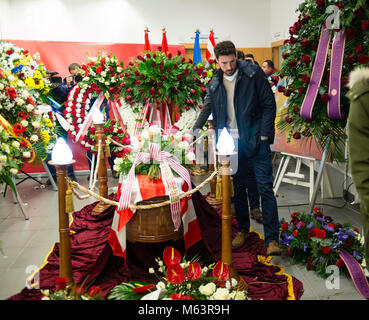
[156, 77]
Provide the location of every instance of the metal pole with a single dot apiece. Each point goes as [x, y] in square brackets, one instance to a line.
[320, 173]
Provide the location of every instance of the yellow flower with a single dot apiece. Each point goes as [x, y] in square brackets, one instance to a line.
[30, 83]
[37, 75]
[40, 85]
[47, 122]
[45, 136]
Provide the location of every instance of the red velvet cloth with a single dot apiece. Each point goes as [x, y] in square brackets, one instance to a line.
[92, 256]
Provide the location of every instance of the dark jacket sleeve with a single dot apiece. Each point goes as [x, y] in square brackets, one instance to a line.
[358, 142]
[267, 102]
[204, 114]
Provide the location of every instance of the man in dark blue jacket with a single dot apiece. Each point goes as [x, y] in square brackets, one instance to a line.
[241, 100]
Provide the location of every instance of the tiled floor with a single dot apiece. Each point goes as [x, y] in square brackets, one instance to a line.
[25, 243]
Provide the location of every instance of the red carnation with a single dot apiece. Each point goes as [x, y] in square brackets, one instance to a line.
[365, 25]
[319, 3]
[98, 70]
[358, 13]
[281, 89]
[284, 226]
[18, 128]
[359, 48]
[11, 92]
[324, 98]
[306, 59]
[305, 78]
[350, 59]
[61, 283]
[363, 59]
[286, 55]
[305, 43]
[297, 136]
[302, 90]
[326, 249]
[288, 119]
[350, 33]
[293, 63]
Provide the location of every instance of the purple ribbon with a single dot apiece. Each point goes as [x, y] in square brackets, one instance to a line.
[356, 273]
[338, 48]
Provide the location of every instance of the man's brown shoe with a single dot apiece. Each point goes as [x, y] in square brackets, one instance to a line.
[256, 215]
[239, 239]
[273, 249]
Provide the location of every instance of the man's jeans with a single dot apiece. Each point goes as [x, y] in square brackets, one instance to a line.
[261, 163]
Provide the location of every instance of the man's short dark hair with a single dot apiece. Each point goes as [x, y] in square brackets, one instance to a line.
[270, 63]
[249, 55]
[73, 66]
[225, 48]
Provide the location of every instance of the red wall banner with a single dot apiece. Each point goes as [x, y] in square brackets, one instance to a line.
[58, 55]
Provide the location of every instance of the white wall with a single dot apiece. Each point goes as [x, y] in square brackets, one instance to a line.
[282, 16]
[246, 22]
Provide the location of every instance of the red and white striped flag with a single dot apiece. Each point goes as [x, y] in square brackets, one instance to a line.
[210, 47]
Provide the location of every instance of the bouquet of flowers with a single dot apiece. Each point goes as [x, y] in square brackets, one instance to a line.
[102, 74]
[299, 54]
[182, 280]
[315, 240]
[27, 134]
[206, 72]
[176, 143]
[63, 291]
[79, 103]
[156, 77]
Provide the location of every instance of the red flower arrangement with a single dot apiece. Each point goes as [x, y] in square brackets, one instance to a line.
[315, 240]
[183, 281]
[78, 105]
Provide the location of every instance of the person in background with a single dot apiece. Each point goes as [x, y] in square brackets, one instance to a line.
[358, 142]
[271, 73]
[250, 57]
[268, 68]
[74, 76]
[59, 92]
[241, 100]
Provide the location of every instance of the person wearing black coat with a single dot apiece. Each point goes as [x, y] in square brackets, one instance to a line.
[241, 100]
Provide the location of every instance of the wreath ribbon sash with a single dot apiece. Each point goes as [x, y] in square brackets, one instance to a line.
[357, 273]
[333, 107]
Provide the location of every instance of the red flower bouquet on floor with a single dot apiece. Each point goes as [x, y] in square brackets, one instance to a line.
[315, 240]
[184, 280]
[63, 291]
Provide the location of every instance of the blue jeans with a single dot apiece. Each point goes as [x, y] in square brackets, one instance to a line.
[261, 164]
[252, 190]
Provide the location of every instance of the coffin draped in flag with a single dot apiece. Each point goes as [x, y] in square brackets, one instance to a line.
[136, 188]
